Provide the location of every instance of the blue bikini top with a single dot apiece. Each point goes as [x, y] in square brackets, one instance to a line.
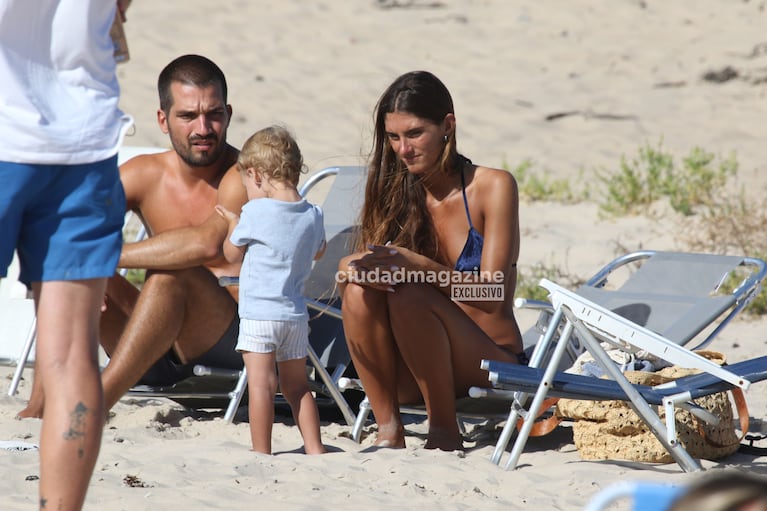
[471, 255]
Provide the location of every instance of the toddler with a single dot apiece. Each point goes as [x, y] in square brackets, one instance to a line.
[276, 236]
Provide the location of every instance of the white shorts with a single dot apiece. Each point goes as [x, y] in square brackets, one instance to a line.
[289, 339]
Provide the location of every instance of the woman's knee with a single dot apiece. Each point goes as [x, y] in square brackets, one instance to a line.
[411, 300]
[361, 302]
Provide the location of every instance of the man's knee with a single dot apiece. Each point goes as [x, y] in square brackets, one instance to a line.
[178, 284]
[159, 278]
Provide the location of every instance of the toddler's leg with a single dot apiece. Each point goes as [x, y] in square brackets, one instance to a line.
[295, 388]
[262, 384]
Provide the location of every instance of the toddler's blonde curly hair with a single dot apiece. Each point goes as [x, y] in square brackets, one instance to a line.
[274, 151]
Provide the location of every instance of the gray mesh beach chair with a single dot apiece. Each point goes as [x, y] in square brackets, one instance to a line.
[673, 300]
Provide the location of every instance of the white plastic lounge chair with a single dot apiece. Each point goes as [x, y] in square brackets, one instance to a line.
[678, 393]
[669, 302]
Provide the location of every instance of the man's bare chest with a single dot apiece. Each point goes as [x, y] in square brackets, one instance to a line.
[172, 207]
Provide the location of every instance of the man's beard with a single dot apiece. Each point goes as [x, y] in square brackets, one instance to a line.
[186, 153]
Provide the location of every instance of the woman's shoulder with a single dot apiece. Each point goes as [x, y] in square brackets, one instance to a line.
[491, 179]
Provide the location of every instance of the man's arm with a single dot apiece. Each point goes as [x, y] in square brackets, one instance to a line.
[178, 248]
[186, 247]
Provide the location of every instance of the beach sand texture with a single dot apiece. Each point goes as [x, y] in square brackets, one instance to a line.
[570, 86]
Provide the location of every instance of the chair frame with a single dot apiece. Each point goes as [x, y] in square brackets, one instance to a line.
[592, 324]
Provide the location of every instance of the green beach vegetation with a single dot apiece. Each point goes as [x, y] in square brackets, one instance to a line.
[698, 187]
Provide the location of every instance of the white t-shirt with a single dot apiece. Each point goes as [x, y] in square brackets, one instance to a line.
[58, 88]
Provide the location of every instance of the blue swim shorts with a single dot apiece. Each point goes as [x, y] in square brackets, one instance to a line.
[65, 221]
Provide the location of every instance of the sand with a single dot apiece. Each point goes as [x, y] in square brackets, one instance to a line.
[569, 86]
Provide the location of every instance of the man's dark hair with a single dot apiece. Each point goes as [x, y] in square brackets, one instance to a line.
[192, 70]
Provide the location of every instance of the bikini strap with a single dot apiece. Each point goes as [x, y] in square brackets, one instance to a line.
[465, 200]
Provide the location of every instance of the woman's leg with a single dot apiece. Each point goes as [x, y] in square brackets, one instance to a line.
[377, 360]
[443, 348]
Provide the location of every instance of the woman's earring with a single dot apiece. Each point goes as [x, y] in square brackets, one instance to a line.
[445, 138]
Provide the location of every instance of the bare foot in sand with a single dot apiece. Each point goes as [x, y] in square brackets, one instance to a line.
[34, 408]
[32, 411]
[315, 450]
[443, 441]
[391, 436]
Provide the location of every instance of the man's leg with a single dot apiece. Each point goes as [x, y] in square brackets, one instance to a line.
[183, 309]
[34, 408]
[121, 297]
[67, 361]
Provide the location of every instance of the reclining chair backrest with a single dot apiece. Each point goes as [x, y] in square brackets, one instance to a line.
[341, 209]
[672, 293]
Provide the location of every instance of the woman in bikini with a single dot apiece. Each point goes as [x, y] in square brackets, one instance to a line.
[431, 223]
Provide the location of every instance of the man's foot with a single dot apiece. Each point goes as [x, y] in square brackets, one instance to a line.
[32, 411]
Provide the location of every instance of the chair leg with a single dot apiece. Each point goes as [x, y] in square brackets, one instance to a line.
[361, 419]
[332, 387]
[25, 351]
[640, 406]
[540, 396]
[236, 396]
[517, 408]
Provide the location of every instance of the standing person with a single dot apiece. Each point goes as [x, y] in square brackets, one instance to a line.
[276, 237]
[181, 316]
[428, 212]
[61, 208]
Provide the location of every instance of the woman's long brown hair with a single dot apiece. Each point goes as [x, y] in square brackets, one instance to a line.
[395, 200]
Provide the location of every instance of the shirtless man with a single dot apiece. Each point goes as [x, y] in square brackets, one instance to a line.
[181, 316]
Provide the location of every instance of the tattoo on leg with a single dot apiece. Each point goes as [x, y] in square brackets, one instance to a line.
[77, 427]
[43, 502]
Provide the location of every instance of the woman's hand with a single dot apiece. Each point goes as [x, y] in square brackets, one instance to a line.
[384, 266]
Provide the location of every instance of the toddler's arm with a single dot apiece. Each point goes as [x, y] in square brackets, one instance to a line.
[232, 252]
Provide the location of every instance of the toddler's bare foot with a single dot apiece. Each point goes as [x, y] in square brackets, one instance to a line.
[315, 450]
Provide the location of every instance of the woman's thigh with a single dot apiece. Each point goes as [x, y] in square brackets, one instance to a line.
[427, 317]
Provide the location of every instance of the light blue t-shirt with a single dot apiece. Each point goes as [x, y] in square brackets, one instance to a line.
[282, 239]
